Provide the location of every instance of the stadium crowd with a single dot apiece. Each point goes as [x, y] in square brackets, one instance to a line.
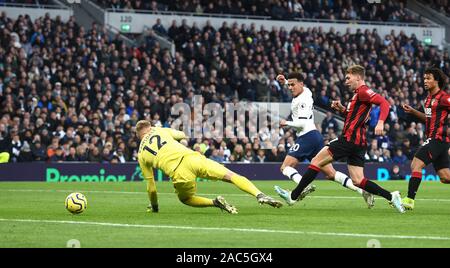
[73, 94]
[442, 6]
[28, 2]
[393, 11]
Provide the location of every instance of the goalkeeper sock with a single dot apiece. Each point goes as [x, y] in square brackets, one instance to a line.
[244, 184]
[198, 201]
[292, 174]
[346, 182]
[414, 183]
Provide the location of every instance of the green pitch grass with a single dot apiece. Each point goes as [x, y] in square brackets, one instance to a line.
[33, 215]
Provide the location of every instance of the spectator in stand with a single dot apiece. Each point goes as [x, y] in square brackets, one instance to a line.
[396, 134]
[329, 122]
[94, 155]
[25, 153]
[216, 156]
[238, 153]
[394, 11]
[248, 158]
[260, 156]
[399, 157]
[38, 152]
[383, 141]
[58, 156]
[387, 156]
[119, 155]
[159, 28]
[16, 145]
[323, 100]
[413, 136]
[407, 150]
[442, 6]
[106, 156]
[374, 153]
[281, 153]
[82, 154]
[72, 155]
[395, 173]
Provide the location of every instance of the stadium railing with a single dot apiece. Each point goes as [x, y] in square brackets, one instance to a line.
[18, 5]
[437, 17]
[181, 13]
[112, 31]
[219, 15]
[136, 20]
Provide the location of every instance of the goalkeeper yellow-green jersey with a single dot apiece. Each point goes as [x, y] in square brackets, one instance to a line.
[160, 149]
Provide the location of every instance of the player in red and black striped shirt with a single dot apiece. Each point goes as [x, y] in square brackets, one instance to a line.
[358, 112]
[352, 144]
[435, 148]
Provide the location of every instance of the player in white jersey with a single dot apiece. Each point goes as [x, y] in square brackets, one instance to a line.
[309, 140]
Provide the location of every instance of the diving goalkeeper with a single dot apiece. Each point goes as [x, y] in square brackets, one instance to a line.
[160, 149]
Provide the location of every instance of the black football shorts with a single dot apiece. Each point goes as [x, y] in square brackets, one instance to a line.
[340, 148]
[434, 151]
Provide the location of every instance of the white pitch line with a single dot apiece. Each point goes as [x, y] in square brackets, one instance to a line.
[205, 194]
[247, 230]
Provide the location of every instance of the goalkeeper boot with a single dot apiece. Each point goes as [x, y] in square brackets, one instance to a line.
[408, 203]
[265, 199]
[223, 205]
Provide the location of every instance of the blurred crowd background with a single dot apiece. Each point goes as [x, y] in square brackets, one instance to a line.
[73, 94]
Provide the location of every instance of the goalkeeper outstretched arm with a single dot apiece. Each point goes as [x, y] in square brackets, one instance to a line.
[152, 194]
[147, 172]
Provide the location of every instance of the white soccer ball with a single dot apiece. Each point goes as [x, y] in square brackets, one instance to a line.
[76, 203]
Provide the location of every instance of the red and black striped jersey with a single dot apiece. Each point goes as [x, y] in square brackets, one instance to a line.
[436, 111]
[358, 112]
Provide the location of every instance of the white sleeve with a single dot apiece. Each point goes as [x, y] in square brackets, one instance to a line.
[299, 124]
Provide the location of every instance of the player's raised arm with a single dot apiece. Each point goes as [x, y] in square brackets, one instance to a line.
[282, 80]
[410, 110]
[147, 172]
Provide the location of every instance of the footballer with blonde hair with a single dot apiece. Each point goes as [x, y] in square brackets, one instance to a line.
[160, 149]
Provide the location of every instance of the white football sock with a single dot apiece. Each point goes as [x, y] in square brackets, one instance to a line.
[292, 174]
[345, 181]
